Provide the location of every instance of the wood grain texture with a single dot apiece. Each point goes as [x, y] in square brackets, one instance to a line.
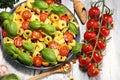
[111, 62]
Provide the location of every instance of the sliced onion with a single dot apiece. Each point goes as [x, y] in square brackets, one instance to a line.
[3, 70]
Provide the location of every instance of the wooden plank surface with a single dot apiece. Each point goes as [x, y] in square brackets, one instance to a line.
[111, 62]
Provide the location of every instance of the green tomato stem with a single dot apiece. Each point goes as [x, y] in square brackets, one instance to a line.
[97, 38]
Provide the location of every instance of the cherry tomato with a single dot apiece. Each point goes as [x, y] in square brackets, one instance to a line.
[84, 61]
[94, 12]
[89, 35]
[107, 19]
[101, 44]
[53, 45]
[105, 32]
[26, 14]
[65, 18]
[93, 70]
[36, 35]
[92, 24]
[49, 1]
[18, 41]
[43, 16]
[68, 37]
[87, 48]
[97, 57]
[64, 50]
[37, 61]
[4, 33]
[25, 25]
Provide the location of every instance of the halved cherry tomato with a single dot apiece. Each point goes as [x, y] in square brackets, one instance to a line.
[25, 25]
[49, 1]
[105, 32]
[89, 35]
[36, 35]
[43, 16]
[93, 70]
[84, 61]
[97, 57]
[107, 19]
[18, 41]
[37, 61]
[87, 48]
[53, 45]
[94, 12]
[68, 37]
[4, 33]
[64, 50]
[92, 24]
[65, 18]
[26, 14]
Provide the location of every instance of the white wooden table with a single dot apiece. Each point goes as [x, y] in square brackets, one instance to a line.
[111, 62]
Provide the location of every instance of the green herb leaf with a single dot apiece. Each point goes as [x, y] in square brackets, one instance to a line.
[77, 48]
[72, 28]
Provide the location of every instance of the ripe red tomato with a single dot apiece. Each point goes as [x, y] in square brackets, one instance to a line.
[36, 35]
[26, 14]
[105, 32]
[65, 18]
[49, 1]
[37, 61]
[53, 45]
[101, 45]
[68, 37]
[98, 57]
[92, 24]
[93, 70]
[25, 25]
[64, 50]
[4, 33]
[87, 48]
[107, 19]
[84, 61]
[89, 35]
[94, 12]
[18, 41]
[43, 16]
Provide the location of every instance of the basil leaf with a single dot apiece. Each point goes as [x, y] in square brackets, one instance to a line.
[28, 46]
[34, 25]
[59, 10]
[42, 5]
[49, 29]
[49, 55]
[77, 48]
[72, 28]
[6, 15]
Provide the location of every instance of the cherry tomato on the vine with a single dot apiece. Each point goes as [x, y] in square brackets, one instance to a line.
[37, 61]
[87, 48]
[84, 61]
[107, 19]
[93, 70]
[53, 45]
[94, 12]
[101, 45]
[105, 32]
[18, 41]
[98, 57]
[92, 24]
[26, 14]
[89, 35]
[64, 50]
